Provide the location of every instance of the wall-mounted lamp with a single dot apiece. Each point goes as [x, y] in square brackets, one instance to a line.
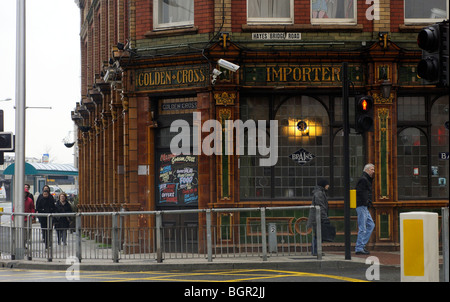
[386, 87]
[302, 126]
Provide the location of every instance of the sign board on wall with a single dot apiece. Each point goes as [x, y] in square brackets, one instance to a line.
[178, 179]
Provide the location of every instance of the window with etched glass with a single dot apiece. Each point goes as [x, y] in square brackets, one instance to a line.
[173, 13]
[333, 11]
[412, 163]
[357, 161]
[411, 108]
[426, 11]
[440, 148]
[303, 148]
[270, 11]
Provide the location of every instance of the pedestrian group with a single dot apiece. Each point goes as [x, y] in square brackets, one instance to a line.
[45, 203]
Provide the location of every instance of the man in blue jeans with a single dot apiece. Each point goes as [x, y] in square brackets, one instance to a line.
[363, 201]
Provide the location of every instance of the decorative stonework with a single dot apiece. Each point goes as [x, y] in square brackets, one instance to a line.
[224, 98]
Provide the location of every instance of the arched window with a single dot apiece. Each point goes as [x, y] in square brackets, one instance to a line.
[303, 148]
[439, 148]
[304, 131]
[356, 147]
[412, 163]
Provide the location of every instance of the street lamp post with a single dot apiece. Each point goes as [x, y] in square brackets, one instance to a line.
[19, 172]
[345, 94]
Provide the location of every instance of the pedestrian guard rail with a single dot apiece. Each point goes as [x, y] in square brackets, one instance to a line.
[226, 232]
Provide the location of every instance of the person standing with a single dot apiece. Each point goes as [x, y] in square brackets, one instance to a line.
[363, 202]
[319, 199]
[45, 204]
[62, 223]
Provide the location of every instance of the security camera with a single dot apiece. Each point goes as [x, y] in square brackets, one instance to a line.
[228, 65]
[215, 74]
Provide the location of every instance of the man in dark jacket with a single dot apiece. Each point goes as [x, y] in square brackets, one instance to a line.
[45, 204]
[363, 201]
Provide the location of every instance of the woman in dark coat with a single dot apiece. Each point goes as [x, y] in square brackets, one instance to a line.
[62, 223]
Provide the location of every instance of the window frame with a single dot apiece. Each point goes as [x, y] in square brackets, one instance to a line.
[255, 21]
[173, 25]
[340, 21]
[423, 20]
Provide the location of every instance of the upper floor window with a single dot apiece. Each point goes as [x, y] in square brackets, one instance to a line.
[173, 13]
[426, 11]
[333, 11]
[270, 11]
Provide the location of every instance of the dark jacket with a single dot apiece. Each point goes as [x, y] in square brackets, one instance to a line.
[364, 190]
[63, 222]
[45, 205]
[319, 199]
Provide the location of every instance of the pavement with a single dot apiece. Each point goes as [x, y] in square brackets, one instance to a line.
[329, 260]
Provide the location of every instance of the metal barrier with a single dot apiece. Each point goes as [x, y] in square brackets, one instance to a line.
[109, 235]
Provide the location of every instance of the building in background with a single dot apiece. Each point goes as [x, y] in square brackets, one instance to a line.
[148, 63]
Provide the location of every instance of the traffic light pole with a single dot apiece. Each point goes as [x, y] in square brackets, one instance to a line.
[19, 172]
[345, 88]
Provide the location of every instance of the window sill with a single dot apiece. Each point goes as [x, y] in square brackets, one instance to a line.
[412, 27]
[171, 32]
[302, 28]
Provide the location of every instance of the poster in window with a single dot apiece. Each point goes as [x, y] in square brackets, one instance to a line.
[178, 179]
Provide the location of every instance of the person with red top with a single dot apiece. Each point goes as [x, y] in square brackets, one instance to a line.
[28, 208]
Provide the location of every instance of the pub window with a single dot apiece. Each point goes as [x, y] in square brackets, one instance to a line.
[426, 11]
[270, 11]
[439, 147]
[412, 163]
[357, 161]
[411, 108]
[173, 13]
[333, 11]
[290, 177]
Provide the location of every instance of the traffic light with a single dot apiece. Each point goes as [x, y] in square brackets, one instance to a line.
[6, 142]
[364, 114]
[433, 40]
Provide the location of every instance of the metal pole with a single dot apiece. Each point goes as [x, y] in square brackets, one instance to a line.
[115, 237]
[263, 234]
[19, 172]
[208, 235]
[158, 238]
[78, 232]
[346, 161]
[319, 233]
[445, 244]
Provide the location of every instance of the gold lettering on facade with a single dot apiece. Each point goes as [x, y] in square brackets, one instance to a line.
[303, 74]
[149, 78]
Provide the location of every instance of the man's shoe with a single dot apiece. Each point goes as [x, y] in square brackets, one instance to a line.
[363, 252]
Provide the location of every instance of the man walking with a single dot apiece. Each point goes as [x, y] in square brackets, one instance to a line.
[363, 201]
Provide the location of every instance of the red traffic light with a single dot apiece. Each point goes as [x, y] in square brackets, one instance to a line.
[364, 114]
[365, 104]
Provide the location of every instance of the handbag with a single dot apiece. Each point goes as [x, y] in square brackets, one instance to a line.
[328, 232]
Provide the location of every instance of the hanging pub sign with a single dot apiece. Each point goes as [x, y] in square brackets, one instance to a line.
[302, 156]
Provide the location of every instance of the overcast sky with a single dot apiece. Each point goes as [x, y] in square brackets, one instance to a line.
[52, 77]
